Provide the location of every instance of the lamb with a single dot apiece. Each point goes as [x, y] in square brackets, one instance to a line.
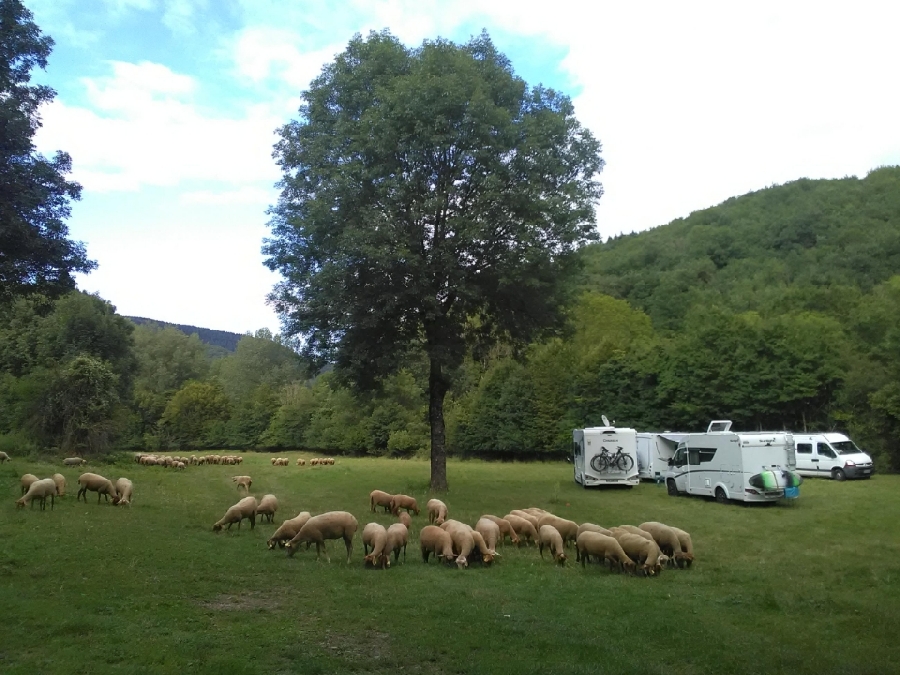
[288, 529]
[606, 548]
[246, 508]
[522, 527]
[3, 457]
[379, 498]
[243, 482]
[268, 505]
[96, 483]
[404, 502]
[489, 530]
[74, 461]
[124, 490]
[437, 511]
[330, 525]
[375, 535]
[39, 489]
[687, 547]
[550, 537]
[568, 529]
[433, 539]
[397, 538]
[668, 541]
[506, 529]
[405, 519]
[60, 481]
[27, 480]
[643, 552]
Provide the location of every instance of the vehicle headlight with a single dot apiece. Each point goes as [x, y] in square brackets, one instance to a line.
[849, 463]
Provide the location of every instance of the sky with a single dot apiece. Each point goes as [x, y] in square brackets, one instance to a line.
[169, 109]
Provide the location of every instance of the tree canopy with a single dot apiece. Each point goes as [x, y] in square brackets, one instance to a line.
[430, 203]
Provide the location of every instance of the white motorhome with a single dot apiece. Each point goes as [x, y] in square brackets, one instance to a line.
[831, 456]
[605, 456]
[654, 452]
[742, 466]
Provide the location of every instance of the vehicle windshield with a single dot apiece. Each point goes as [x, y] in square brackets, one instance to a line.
[846, 448]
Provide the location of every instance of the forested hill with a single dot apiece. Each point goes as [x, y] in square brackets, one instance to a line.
[216, 338]
[807, 245]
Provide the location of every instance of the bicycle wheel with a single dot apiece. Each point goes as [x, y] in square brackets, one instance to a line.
[600, 463]
[625, 462]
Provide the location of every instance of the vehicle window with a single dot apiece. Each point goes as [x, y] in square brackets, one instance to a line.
[680, 457]
[846, 447]
[694, 456]
[576, 449]
[804, 448]
[707, 454]
[824, 450]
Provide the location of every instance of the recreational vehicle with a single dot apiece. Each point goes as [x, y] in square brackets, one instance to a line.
[742, 466]
[605, 456]
[831, 456]
[654, 452]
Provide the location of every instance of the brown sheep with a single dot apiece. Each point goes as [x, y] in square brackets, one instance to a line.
[268, 505]
[397, 538]
[606, 548]
[644, 552]
[433, 539]
[288, 529]
[550, 537]
[523, 527]
[668, 541]
[405, 519]
[568, 529]
[437, 511]
[404, 502]
[379, 498]
[375, 535]
[243, 482]
[330, 525]
[506, 529]
[246, 508]
[463, 541]
[490, 530]
[687, 547]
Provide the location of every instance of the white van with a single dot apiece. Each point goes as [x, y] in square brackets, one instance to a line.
[605, 456]
[831, 456]
[728, 465]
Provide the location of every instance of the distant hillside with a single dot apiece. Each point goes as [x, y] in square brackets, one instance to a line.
[214, 338]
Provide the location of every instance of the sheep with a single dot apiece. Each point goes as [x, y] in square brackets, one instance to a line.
[26, 480]
[288, 530]
[568, 529]
[39, 489]
[404, 502]
[378, 498]
[490, 530]
[635, 530]
[531, 518]
[60, 481]
[268, 505]
[397, 538]
[463, 541]
[643, 552]
[687, 547]
[589, 527]
[124, 491]
[301, 461]
[484, 552]
[375, 535]
[74, 461]
[550, 537]
[405, 519]
[96, 483]
[3, 457]
[522, 527]
[246, 508]
[668, 541]
[606, 548]
[433, 539]
[506, 529]
[243, 482]
[437, 511]
[330, 525]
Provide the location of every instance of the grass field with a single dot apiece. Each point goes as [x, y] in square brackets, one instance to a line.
[808, 587]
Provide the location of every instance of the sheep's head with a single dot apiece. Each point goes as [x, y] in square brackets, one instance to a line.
[629, 566]
[561, 558]
[514, 538]
[684, 559]
[461, 562]
[270, 544]
[217, 528]
[438, 521]
[20, 503]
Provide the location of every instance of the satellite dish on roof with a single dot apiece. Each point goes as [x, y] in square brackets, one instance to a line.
[605, 421]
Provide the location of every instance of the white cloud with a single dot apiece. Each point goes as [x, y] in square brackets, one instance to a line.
[262, 53]
[179, 15]
[242, 195]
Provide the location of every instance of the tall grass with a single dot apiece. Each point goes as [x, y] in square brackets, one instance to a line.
[808, 587]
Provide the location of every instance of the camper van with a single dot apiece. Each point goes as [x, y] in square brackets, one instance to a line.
[728, 465]
[605, 456]
[654, 452]
[831, 456]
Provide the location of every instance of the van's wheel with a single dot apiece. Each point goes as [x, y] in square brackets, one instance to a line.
[838, 474]
[670, 486]
[721, 497]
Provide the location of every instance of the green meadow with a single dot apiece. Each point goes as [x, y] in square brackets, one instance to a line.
[811, 586]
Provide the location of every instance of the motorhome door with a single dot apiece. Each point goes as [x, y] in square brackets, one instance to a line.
[578, 454]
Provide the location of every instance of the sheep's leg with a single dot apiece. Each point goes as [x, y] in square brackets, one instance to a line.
[349, 544]
[253, 521]
[425, 553]
[52, 501]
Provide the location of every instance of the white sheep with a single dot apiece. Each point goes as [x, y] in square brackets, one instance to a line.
[463, 541]
[604, 547]
[39, 489]
[642, 551]
[433, 539]
[246, 508]
[523, 528]
[26, 480]
[489, 530]
[268, 505]
[242, 482]
[397, 538]
[568, 529]
[330, 525]
[550, 537]
[374, 535]
[687, 547]
[60, 481]
[437, 511]
[124, 491]
[288, 529]
[95, 483]
[668, 541]
[3, 457]
[74, 461]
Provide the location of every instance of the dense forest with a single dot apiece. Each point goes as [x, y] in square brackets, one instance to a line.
[777, 309]
[220, 341]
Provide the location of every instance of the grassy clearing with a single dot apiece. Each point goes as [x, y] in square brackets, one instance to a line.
[808, 587]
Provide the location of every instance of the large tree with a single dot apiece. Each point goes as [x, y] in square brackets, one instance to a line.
[430, 202]
[35, 251]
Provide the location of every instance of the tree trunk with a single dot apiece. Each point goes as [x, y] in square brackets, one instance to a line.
[437, 389]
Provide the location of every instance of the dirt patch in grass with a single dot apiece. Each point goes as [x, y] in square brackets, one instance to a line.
[226, 602]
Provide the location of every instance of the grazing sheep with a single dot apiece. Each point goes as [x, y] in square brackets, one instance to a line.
[589, 527]
[484, 552]
[668, 541]
[96, 483]
[523, 528]
[687, 547]
[550, 537]
[506, 529]
[39, 489]
[268, 505]
[463, 541]
[635, 530]
[378, 498]
[27, 480]
[490, 530]
[405, 519]
[246, 508]
[124, 490]
[301, 461]
[644, 552]
[404, 502]
[518, 513]
[60, 481]
[74, 461]
[330, 525]
[568, 529]
[604, 547]
[3, 457]
[433, 539]
[243, 482]
[437, 511]
[375, 535]
[397, 538]
[288, 529]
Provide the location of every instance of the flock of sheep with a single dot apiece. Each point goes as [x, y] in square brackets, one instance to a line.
[34, 488]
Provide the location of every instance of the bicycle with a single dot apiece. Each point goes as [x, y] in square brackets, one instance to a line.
[605, 461]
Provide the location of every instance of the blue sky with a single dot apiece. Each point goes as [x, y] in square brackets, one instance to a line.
[169, 108]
